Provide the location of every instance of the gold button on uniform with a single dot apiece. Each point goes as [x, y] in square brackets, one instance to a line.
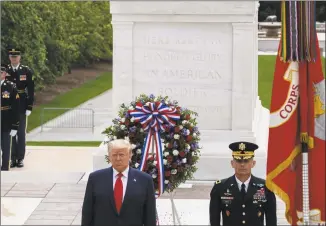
[243, 206]
[243, 213]
[243, 222]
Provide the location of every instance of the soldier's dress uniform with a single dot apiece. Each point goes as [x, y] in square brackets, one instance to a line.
[238, 205]
[22, 76]
[9, 118]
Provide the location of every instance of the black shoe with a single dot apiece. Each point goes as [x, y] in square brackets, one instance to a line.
[20, 163]
[13, 164]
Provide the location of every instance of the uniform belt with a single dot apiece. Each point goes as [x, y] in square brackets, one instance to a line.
[21, 91]
[5, 108]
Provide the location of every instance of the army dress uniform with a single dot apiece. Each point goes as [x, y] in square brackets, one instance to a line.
[242, 203]
[22, 76]
[9, 119]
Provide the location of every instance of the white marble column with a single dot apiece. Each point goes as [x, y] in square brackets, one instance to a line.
[122, 63]
[244, 66]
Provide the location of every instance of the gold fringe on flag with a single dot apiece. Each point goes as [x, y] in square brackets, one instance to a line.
[298, 31]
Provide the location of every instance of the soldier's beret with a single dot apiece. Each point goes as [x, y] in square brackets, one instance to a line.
[243, 150]
[14, 52]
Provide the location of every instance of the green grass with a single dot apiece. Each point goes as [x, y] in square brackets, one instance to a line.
[71, 99]
[64, 143]
[265, 78]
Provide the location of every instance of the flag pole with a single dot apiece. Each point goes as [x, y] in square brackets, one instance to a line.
[305, 184]
[298, 45]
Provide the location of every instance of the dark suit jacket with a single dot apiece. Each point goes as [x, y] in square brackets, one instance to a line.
[138, 207]
[257, 203]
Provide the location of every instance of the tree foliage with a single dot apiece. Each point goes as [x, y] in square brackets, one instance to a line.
[268, 8]
[55, 36]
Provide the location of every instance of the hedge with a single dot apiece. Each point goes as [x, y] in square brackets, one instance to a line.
[56, 36]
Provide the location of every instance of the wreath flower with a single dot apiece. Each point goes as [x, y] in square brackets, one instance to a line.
[165, 139]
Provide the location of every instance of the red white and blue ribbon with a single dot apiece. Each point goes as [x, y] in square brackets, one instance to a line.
[154, 117]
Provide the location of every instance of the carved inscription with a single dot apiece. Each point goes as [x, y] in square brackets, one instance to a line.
[192, 95]
[183, 74]
[190, 63]
[205, 109]
[183, 92]
[167, 56]
[166, 40]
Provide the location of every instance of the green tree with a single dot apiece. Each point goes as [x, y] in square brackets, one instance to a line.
[55, 36]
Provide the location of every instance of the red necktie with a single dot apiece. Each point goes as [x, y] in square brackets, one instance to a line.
[118, 192]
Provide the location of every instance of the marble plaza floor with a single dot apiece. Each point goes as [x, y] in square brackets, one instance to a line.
[60, 204]
[53, 195]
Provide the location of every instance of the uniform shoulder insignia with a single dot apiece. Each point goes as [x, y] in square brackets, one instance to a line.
[17, 96]
[218, 182]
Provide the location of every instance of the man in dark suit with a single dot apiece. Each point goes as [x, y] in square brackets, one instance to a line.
[22, 76]
[119, 195]
[9, 117]
[242, 198]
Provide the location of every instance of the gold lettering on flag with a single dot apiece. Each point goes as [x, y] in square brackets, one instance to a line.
[284, 113]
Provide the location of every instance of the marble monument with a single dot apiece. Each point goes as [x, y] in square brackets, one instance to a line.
[202, 54]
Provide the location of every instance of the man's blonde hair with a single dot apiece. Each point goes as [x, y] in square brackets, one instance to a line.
[119, 144]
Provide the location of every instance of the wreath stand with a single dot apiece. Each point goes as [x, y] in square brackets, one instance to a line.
[175, 214]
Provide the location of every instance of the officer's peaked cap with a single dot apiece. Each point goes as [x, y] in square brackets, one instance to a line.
[243, 149]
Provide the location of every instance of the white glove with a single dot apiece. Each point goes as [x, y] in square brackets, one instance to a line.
[28, 112]
[13, 132]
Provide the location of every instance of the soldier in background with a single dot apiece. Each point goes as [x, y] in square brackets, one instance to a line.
[9, 117]
[22, 76]
[242, 198]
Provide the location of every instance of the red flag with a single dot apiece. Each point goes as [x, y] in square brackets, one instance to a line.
[293, 120]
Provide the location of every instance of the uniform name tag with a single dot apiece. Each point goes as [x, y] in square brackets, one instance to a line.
[226, 201]
[226, 198]
[22, 77]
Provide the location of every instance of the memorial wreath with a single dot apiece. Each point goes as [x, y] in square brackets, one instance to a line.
[164, 136]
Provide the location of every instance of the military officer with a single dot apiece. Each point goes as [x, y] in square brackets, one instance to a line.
[22, 76]
[243, 199]
[9, 117]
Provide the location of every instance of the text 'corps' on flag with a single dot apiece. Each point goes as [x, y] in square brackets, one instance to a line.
[297, 118]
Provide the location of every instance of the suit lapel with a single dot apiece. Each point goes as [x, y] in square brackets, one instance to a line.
[128, 189]
[251, 189]
[111, 194]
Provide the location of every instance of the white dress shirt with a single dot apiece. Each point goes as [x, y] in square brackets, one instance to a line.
[15, 68]
[124, 179]
[2, 81]
[240, 183]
